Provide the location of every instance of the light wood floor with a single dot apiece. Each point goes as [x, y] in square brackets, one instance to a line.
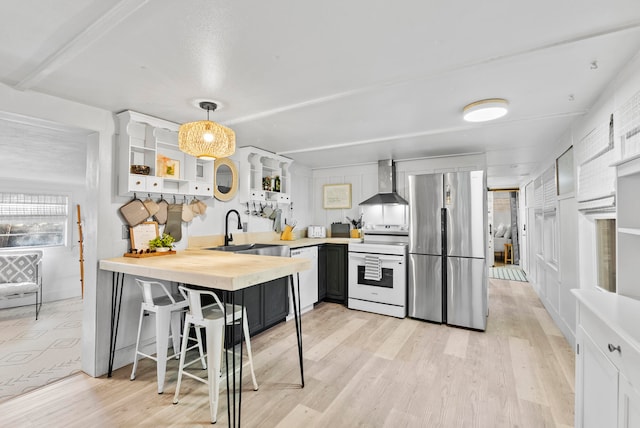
[362, 370]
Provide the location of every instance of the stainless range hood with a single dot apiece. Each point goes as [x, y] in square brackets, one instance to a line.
[386, 186]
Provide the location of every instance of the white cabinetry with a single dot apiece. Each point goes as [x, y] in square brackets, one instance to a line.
[608, 360]
[596, 385]
[308, 280]
[146, 140]
[629, 408]
[628, 224]
[259, 167]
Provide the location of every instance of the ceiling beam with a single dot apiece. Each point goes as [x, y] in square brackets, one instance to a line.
[95, 31]
[437, 131]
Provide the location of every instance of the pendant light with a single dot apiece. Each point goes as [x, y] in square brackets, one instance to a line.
[205, 139]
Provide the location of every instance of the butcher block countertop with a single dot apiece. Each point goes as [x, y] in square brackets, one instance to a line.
[213, 269]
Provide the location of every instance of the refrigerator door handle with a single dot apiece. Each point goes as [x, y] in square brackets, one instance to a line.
[443, 230]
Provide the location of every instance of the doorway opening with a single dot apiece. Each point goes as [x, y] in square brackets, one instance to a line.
[37, 352]
[504, 242]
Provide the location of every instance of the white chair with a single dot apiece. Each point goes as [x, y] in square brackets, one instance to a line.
[21, 274]
[168, 309]
[211, 318]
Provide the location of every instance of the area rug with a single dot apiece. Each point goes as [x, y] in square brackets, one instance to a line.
[510, 273]
[36, 353]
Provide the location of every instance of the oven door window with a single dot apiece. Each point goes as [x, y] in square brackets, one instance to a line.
[385, 282]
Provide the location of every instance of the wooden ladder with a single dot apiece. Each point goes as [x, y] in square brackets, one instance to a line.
[80, 240]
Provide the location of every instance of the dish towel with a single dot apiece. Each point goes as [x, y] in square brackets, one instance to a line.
[372, 268]
[174, 221]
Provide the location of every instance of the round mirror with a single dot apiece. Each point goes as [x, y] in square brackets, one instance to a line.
[225, 179]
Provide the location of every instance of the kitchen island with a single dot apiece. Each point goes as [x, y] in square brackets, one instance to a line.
[230, 273]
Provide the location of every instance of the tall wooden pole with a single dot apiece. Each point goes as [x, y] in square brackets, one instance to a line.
[81, 253]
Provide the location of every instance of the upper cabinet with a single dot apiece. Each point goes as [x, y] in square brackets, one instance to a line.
[151, 142]
[628, 225]
[264, 176]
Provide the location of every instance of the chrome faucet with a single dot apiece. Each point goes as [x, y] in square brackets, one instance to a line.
[228, 237]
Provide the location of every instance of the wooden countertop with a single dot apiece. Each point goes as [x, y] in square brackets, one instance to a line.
[212, 269]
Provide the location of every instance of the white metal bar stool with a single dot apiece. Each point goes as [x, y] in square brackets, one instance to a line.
[168, 309]
[211, 318]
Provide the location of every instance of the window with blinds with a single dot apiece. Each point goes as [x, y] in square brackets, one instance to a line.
[32, 220]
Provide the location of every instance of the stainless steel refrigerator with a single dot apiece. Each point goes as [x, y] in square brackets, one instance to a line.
[447, 247]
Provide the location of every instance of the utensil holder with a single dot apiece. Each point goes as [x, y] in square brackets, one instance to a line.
[287, 234]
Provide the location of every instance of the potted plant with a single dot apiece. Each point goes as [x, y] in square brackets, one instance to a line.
[162, 243]
[357, 225]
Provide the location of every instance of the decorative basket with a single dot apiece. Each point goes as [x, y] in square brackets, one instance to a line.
[140, 169]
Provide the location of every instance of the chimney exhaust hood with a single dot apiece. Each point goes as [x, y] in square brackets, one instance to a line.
[386, 186]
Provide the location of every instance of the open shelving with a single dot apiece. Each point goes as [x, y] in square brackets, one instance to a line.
[256, 165]
[146, 140]
[628, 227]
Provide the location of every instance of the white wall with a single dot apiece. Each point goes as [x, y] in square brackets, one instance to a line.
[364, 182]
[212, 223]
[576, 267]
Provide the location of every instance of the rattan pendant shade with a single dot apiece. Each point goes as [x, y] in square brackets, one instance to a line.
[206, 139]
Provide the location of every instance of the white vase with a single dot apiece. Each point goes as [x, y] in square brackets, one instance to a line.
[162, 249]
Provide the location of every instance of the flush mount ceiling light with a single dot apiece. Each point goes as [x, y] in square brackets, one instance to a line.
[205, 139]
[485, 110]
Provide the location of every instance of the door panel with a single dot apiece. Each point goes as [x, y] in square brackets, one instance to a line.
[467, 292]
[336, 275]
[390, 289]
[465, 201]
[425, 196]
[629, 406]
[253, 303]
[597, 390]
[276, 301]
[425, 287]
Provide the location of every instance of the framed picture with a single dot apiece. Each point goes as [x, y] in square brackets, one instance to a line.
[167, 167]
[336, 196]
[143, 233]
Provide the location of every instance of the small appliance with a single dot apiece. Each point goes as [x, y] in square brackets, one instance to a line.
[316, 232]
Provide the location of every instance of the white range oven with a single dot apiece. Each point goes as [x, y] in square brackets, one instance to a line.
[378, 276]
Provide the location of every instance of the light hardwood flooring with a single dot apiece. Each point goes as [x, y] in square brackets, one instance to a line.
[361, 370]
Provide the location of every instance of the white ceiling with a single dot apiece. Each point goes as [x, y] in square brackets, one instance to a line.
[334, 82]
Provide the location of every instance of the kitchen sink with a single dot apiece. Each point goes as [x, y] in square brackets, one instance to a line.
[256, 249]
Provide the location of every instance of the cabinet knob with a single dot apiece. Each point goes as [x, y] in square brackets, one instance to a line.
[155, 184]
[137, 183]
[196, 187]
[614, 348]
